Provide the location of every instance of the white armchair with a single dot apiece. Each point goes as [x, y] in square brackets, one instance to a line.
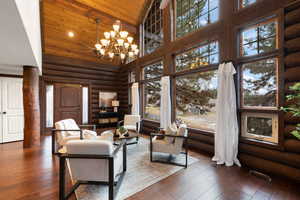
[171, 144]
[67, 130]
[131, 122]
[93, 162]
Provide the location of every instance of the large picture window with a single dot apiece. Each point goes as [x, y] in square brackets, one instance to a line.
[193, 14]
[196, 96]
[259, 39]
[153, 31]
[151, 75]
[152, 100]
[152, 71]
[259, 83]
[202, 56]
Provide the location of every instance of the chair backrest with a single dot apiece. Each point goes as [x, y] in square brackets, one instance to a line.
[132, 120]
[66, 124]
[182, 131]
[90, 169]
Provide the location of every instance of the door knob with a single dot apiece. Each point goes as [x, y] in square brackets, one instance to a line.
[3, 113]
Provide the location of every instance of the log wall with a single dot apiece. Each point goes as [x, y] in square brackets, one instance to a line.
[98, 77]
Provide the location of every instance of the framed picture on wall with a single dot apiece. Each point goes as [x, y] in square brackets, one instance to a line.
[106, 98]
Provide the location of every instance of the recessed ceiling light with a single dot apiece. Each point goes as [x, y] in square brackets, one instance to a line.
[71, 34]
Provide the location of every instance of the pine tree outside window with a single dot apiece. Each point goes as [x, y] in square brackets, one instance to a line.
[193, 14]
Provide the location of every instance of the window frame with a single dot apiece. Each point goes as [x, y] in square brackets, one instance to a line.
[202, 44]
[240, 4]
[279, 54]
[275, 130]
[256, 25]
[143, 82]
[174, 16]
[261, 108]
[142, 30]
[209, 68]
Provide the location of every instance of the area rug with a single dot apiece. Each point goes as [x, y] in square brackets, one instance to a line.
[140, 174]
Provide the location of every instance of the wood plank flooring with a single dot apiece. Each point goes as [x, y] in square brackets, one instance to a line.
[32, 174]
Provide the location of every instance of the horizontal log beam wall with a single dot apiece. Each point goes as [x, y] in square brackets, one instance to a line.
[98, 77]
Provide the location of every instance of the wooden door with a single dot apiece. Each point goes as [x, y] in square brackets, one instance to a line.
[12, 114]
[68, 102]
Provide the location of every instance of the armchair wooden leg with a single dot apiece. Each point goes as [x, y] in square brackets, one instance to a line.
[111, 179]
[53, 142]
[62, 172]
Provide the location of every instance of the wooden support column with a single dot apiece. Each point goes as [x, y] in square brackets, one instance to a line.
[31, 106]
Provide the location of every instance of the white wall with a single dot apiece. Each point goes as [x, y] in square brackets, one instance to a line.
[20, 35]
[11, 69]
[30, 14]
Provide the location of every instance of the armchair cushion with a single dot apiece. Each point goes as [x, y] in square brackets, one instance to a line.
[131, 121]
[92, 169]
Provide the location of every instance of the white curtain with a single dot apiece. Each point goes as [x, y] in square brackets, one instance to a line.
[165, 103]
[164, 4]
[226, 137]
[135, 98]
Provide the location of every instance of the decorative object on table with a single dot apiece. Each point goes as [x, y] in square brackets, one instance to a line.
[115, 104]
[116, 43]
[122, 131]
[171, 147]
[106, 99]
[294, 108]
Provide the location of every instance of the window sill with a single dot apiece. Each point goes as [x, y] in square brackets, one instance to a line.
[260, 143]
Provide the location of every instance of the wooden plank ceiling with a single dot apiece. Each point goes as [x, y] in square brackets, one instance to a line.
[62, 16]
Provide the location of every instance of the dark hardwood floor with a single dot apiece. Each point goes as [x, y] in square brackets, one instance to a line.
[32, 174]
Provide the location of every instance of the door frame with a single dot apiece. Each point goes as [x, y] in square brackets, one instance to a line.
[46, 81]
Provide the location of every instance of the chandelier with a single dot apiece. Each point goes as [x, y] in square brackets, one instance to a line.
[116, 43]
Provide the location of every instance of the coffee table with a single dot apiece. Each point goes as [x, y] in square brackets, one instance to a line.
[132, 135]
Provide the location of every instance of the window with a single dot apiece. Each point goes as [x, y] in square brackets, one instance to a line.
[193, 14]
[131, 77]
[201, 56]
[262, 127]
[196, 96]
[153, 28]
[153, 71]
[152, 100]
[259, 83]
[259, 39]
[244, 3]
[49, 105]
[85, 105]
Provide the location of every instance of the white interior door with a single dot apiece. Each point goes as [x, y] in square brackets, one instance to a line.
[12, 110]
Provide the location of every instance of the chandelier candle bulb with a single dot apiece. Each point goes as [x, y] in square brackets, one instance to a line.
[123, 34]
[130, 53]
[111, 55]
[126, 45]
[116, 25]
[112, 34]
[98, 46]
[122, 55]
[102, 51]
[120, 42]
[134, 47]
[136, 51]
[130, 39]
[106, 35]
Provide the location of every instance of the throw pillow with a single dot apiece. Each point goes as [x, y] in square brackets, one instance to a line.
[171, 130]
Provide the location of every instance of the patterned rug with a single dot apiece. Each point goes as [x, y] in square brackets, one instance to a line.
[140, 174]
